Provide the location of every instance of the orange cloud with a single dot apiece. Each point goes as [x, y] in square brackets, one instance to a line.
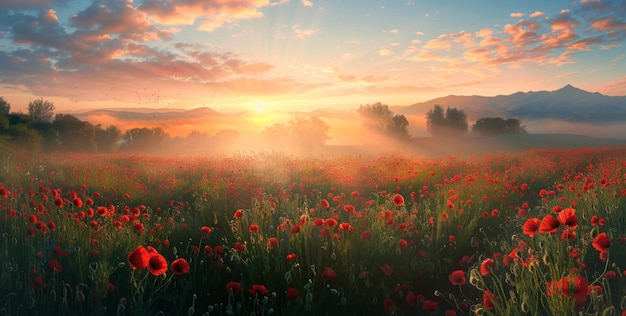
[608, 24]
[210, 15]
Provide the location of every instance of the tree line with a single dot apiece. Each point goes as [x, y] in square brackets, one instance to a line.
[41, 129]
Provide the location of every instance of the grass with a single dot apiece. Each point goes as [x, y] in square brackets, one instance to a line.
[272, 234]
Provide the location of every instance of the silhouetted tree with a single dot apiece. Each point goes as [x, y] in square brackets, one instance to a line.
[299, 133]
[452, 123]
[143, 139]
[41, 110]
[74, 134]
[379, 118]
[106, 139]
[5, 107]
[490, 126]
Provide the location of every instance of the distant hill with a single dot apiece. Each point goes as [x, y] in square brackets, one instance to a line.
[566, 104]
[142, 114]
[467, 146]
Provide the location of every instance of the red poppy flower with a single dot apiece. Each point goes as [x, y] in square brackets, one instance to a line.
[238, 213]
[295, 229]
[180, 266]
[330, 222]
[292, 293]
[345, 227]
[486, 266]
[398, 200]
[234, 287]
[430, 306]
[272, 243]
[488, 299]
[457, 277]
[387, 269]
[206, 229]
[157, 264]
[258, 290]
[403, 243]
[568, 217]
[37, 283]
[366, 235]
[54, 266]
[411, 298]
[389, 306]
[549, 224]
[291, 257]
[531, 226]
[601, 242]
[577, 287]
[328, 273]
[324, 204]
[139, 258]
[253, 228]
[77, 202]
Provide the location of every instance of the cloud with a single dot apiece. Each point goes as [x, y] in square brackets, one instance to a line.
[302, 33]
[210, 15]
[608, 24]
[517, 15]
[537, 14]
[385, 52]
[307, 3]
[615, 88]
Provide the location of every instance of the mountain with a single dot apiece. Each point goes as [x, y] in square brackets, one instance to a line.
[139, 114]
[566, 104]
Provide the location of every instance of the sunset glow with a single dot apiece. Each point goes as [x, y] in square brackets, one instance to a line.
[281, 55]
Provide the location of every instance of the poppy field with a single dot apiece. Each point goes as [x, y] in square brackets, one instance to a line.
[538, 232]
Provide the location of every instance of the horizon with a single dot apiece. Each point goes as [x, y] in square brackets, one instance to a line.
[266, 56]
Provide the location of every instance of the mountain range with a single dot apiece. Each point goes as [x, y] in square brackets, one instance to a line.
[566, 104]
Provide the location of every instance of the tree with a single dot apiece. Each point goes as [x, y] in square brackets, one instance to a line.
[490, 126]
[452, 123]
[5, 107]
[74, 134]
[379, 118]
[143, 139]
[299, 133]
[106, 139]
[41, 110]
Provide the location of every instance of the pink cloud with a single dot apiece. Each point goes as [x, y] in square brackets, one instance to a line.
[210, 14]
[608, 24]
[537, 14]
[124, 20]
[522, 32]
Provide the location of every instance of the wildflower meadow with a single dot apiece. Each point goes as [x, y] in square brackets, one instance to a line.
[538, 232]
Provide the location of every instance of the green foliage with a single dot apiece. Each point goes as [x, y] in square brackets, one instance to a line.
[333, 230]
[452, 123]
[74, 134]
[41, 110]
[5, 107]
[491, 126]
[379, 118]
[143, 139]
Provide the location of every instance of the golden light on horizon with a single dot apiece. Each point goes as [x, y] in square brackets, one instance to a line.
[260, 107]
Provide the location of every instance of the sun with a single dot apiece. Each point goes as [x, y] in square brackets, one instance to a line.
[260, 107]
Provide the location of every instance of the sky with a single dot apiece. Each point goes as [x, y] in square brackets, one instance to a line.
[274, 55]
